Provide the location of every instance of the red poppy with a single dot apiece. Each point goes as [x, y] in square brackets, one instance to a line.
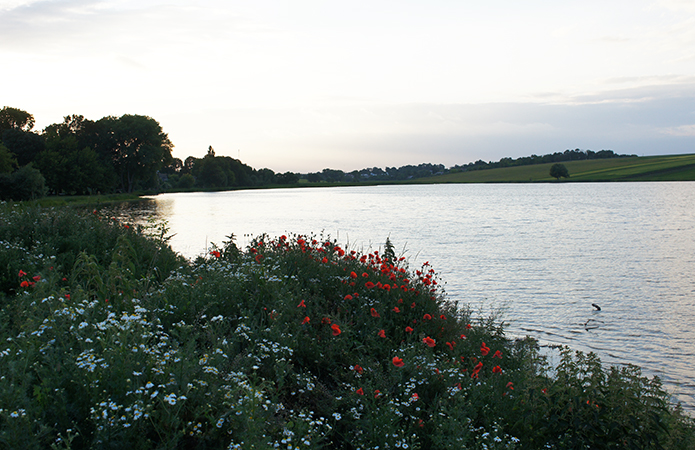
[412, 305]
[67, 296]
[396, 310]
[359, 391]
[450, 345]
[325, 320]
[324, 260]
[484, 349]
[400, 300]
[37, 278]
[478, 367]
[544, 390]
[377, 393]
[414, 397]
[353, 275]
[387, 287]
[427, 317]
[408, 330]
[348, 297]
[374, 313]
[369, 285]
[24, 284]
[429, 341]
[357, 368]
[498, 354]
[463, 336]
[382, 333]
[365, 274]
[443, 317]
[21, 273]
[215, 253]
[306, 320]
[336, 329]
[301, 304]
[398, 362]
[258, 258]
[497, 369]
[510, 385]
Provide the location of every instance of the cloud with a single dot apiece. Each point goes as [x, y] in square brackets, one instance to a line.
[683, 130]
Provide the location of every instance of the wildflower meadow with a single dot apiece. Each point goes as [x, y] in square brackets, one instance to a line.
[108, 339]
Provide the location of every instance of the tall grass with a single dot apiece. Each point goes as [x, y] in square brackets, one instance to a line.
[109, 340]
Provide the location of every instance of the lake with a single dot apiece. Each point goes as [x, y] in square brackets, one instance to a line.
[539, 253]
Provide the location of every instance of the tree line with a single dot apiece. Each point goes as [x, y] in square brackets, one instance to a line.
[113, 154]
[132, 153]
[567, 155]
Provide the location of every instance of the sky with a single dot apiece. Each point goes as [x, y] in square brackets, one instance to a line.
[304, 85]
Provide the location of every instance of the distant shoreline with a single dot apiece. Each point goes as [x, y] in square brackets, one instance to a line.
[631, 169]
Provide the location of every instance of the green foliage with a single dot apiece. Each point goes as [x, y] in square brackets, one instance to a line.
[135, 146]
[7, 160]
[25, 145]
[71, 169]
[293, 342]
[558, 171]
[43, 240]
[13, 118]
[26, 183]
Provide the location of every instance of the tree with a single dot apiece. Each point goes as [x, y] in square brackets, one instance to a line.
[71, 169]
[26, 183]
[25, 145]
[13, 118]
[559, 171]
[136, 147]
[7, 160]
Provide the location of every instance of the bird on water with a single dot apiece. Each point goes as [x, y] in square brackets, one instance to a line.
[598, 308]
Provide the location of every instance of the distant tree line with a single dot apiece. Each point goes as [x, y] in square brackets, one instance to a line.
[567, 155]
[218, 172]
[377, 174]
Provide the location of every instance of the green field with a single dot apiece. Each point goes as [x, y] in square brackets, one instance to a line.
[649, 168]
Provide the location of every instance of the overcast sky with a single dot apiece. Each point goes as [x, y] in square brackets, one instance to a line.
[304, 85]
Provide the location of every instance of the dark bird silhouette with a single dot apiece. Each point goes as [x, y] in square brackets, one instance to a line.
[598, 308]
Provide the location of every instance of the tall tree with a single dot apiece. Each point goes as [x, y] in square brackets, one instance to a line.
[13, 118]
[136, 146]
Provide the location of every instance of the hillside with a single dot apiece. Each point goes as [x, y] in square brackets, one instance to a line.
[649, 168]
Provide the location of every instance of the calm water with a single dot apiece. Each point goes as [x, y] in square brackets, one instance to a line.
[543, 253]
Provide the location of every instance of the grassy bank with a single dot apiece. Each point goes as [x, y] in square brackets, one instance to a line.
[110, 340]
[649, 168]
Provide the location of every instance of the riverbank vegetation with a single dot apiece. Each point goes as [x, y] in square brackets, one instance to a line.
[111, 340]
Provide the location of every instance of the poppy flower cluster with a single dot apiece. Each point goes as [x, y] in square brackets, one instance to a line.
[27, 283]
